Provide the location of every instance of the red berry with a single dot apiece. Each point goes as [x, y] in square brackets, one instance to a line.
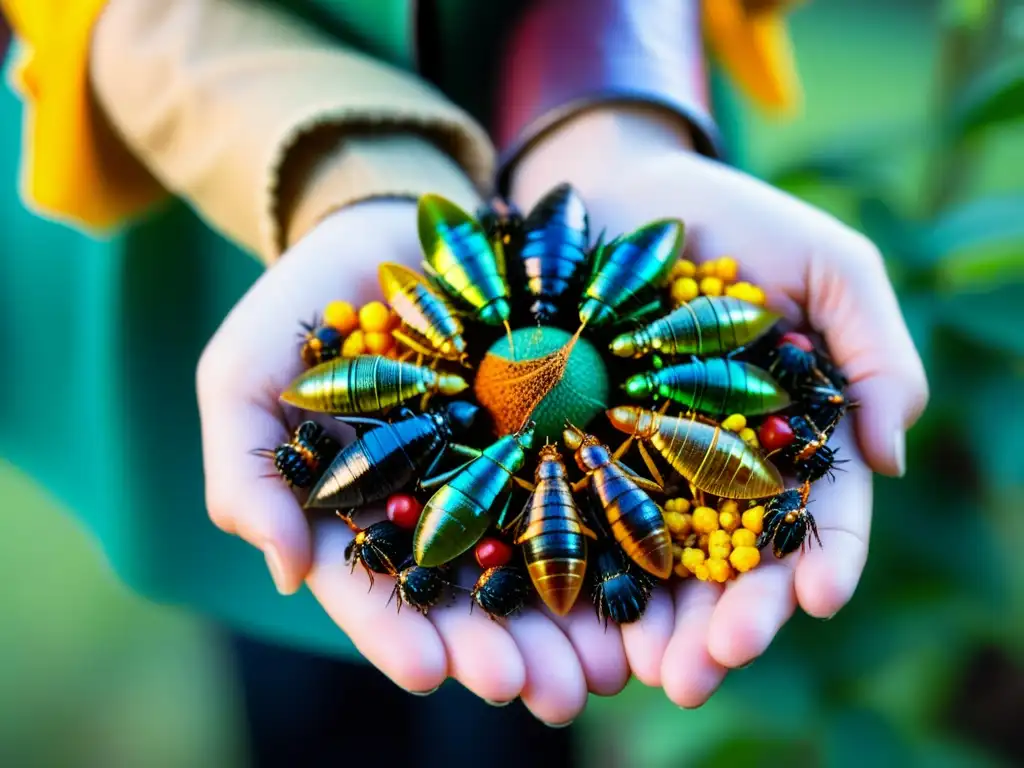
[775, 433]
[404, 510]
[490, 553]
[797, 340]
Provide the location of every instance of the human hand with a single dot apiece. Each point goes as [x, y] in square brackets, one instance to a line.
[549, 662]
[632, 167]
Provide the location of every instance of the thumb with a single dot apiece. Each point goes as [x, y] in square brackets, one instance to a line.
[851, 299]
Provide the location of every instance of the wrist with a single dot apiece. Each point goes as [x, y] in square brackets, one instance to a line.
[595, 145]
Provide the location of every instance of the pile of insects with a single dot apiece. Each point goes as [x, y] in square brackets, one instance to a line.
[574, 414]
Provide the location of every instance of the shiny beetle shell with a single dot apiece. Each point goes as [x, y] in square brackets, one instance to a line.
[460, 259]
[501, 591]
[429, 326]
[366, 384]
[714, 460]
[553, 537]
[460, 511]
[636, 522]
[621, 591]
[628, 272]
[418, 587]
[380, 548]
[555, 245]
[388, 457]
[708, 325]
[716, 386]
[787, 522]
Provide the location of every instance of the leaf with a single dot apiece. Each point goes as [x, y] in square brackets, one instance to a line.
[994, 98]
[979, 241]
[993, 318]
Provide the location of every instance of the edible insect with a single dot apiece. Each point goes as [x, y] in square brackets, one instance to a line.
[635, 521]
[708, 325]
[429, 326]
[553, 537]
[460, 259]
[320, 343]
[809, 452]
[621, 591]
[418, 586]
[712, 459]
[367, 384]
[501, 591]
[792, 365]
[459, 512]
[628, 272]
[380, 548]
[787, 521]
[300, 460]
[714, 386]
[555, 244]
[386, 457]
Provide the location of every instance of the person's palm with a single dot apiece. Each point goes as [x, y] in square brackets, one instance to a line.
[550, 663]
[813, 269]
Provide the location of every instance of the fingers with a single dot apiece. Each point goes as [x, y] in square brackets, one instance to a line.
[827, 576]
[241, 500]
[849, 297]
[599, 649]
[751, 611]
[647, 639]
[556, 687]
[689, 673]
[482, 655]
[404, 645]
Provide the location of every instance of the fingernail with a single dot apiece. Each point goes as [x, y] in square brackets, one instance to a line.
[899, 450]
[276, 568]
[748, 664]
[558, 725]
[424, 693]
[497, 703]
[829, 618]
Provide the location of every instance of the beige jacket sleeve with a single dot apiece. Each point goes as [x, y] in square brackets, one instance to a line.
[266, 125]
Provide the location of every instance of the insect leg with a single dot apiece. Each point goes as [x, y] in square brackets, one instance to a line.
[466, 451]
[432, 482]
[655, 474]
[437, 460]
[502, 525]
[638, 314]
[580, 484]
[395, 593]
[640, 480]
[524, 484]
[621, 450]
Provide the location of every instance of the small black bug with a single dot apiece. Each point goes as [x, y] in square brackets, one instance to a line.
[320, 343]
[810, 454]
[621, 591]
[792, 366]
[304, 458]
[380, 548]
[787, 521]
[419, 586]
[502, 590]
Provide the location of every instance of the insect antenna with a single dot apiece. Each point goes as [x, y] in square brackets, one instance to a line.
[511, 344]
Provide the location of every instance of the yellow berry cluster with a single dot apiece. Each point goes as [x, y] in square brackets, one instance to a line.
[711, 278]
[738, 423]
[713, 544]
[366, 331]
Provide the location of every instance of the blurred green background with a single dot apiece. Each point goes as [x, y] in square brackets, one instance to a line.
[913, 134]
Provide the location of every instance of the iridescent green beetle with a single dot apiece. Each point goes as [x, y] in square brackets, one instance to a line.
[708, 325]
[628, 272]
[715, 387]
[459, 258]
[460, 511]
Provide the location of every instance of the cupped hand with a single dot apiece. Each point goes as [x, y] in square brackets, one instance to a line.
[636, 168]
[551, 664]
